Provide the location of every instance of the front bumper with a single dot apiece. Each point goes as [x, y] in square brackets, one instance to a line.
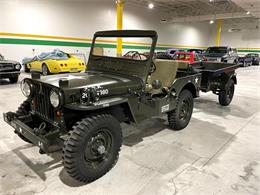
[9, 74]
[46, 145]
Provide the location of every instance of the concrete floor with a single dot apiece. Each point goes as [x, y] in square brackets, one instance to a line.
[218, 153]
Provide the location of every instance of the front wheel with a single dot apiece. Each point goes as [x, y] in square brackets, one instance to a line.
[23, 109]
[45, 70]
[225, 96]
[180, 117]
[92, 147]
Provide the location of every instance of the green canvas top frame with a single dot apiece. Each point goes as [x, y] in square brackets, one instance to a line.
[130, 67]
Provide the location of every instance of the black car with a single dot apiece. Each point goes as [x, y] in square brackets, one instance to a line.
[245, 60]
[9, 69]
[255, 58]
[221, 54]
[198, 51]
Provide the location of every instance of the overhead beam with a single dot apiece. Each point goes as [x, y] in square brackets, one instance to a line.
[209, 17]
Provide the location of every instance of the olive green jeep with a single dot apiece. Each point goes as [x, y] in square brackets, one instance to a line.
[81, 113]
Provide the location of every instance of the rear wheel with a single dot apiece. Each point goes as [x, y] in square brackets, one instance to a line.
[180, 117]
[225, 96]
[23, 109]
[13, 79]
[45, 70]
[92, 147]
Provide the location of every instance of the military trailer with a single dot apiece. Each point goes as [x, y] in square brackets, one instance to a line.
[80, 113]
[218, 77]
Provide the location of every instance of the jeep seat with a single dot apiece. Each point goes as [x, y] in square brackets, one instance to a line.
[165, 72]
[182, 65]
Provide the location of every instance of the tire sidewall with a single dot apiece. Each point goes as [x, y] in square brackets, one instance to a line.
[223, 97]
[47, 70]
[81, 170]
[174, 120]
[113, 129]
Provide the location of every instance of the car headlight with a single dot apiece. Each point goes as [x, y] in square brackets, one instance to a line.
[17, 66]
[26, 88]
[55, 99]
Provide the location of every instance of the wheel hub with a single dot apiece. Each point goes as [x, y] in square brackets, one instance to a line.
[98, 148]
[184, 110]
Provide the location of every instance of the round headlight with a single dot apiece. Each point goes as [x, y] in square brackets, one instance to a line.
[17, 66]
[26, 88]
[55, 99]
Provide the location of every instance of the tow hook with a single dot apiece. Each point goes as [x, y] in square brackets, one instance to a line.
[40, 129]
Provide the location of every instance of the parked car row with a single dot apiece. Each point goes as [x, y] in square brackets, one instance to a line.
[223, 54]
[46, 63]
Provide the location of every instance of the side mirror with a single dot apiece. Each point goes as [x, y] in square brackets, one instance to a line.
[156, 84]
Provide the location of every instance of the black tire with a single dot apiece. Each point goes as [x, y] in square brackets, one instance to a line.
[23, 109]
[45, 70]
[13, 79]
[225, 96]
[92, 148]
[26, 69]
[180, 117]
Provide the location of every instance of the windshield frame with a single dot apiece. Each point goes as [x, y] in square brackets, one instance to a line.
[131, 67]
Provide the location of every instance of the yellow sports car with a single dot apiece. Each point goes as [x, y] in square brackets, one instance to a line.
[52, 63]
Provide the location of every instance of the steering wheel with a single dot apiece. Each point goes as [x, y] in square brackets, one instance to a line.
[153, 67]
[135, 55]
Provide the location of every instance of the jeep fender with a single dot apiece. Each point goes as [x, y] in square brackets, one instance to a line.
[118, 107]
[191, 83]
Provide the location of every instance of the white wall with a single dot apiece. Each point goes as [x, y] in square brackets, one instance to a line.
[81, 19]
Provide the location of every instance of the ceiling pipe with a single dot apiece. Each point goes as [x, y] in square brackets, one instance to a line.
[209, 17]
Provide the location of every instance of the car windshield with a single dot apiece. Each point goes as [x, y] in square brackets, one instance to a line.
[1, 57]
[132, 48]
[221, 50]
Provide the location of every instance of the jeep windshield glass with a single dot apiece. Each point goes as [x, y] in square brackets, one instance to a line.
[220, 50]
[132, 48]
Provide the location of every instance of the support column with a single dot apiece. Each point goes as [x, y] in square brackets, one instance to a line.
[219, 27]
[120, 9]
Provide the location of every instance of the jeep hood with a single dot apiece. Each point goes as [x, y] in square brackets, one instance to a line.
[93, 79]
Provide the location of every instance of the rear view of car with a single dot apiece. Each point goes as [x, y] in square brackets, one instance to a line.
[54, 62]
[221, 54]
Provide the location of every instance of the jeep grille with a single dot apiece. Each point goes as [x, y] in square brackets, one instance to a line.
[43, 106]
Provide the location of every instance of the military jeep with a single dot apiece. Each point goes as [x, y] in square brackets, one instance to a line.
[81, 113]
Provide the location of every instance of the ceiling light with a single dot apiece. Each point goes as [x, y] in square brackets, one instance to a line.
[211, 21]
[211, 0]
[151, 5]
[248, 12]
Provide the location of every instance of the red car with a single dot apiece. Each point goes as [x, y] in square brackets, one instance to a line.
[190, 57]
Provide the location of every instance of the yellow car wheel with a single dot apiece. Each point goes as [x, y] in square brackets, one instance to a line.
[45, 70]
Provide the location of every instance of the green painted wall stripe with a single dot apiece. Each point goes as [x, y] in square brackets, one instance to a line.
[68, 43]
[82, 44]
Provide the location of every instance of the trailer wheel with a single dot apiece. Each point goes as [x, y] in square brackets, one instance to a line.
[180, 117]
[225, 96]
[23, 109]
[92, 147]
